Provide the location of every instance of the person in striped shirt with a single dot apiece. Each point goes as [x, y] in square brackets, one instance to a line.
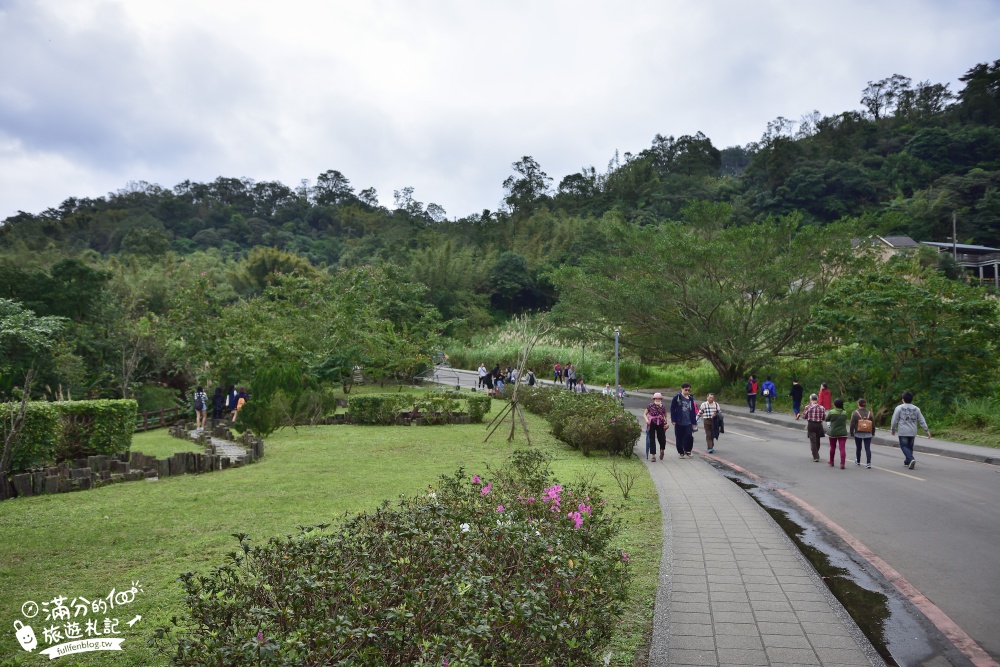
[707, 411]
[815, 414]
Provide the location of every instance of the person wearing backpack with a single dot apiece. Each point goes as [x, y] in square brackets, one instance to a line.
[531, 378]
[768, 390]
[863, 430]
[218, 403]
[752, 388]
[200, 407]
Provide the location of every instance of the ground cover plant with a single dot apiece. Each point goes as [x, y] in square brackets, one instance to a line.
[85, 544]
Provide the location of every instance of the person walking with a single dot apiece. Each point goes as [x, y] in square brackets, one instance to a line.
[241, 399]
[231, 400]
[815, 414]
[570, 377]
[796, 394]
[482, 375]
[200, 408]
[218, 403]
[905, 419]
[531, 378]
[768, 390]
[684, 416]
[656, 422]
[557, 373]
[837, 418]
[825, 397]
[709, 411]
[752, 393]
[862, 430]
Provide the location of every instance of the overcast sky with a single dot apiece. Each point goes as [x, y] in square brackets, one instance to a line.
[439, 95]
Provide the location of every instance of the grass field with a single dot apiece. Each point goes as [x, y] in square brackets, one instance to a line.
[86, 544]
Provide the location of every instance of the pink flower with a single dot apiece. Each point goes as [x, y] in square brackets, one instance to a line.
[584, 509]
[612, 420]
[500, 508]
[577, 520]
[260, 637]
[486, 489]
[475, 479]
[625, 557]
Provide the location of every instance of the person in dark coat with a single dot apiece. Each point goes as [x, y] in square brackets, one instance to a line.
[218, 403]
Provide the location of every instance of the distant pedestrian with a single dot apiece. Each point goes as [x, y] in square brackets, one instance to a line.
[752, 388]
[218, 403]
[862, 430]
[621, 393]
[656, 423]
[837, 419]
[905, 419]
[200, 408]
[815, 414]
[570, 373]
[557, 373]
[581, 387]
[607, 391]
[531, 378]
[825, 397]
[709, 412]
[768, 390]
[482, 375]
[499, 386]
[231, 399]
[684, 417]
[241, 399]
[796, 394]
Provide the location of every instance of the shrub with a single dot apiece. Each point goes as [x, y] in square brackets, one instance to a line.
[152, 398]
[95, 427]
[436, 407]
[978, 413]
[376, 409]
[586, 422]
[38, 442]
[479, 406]
[509, 570]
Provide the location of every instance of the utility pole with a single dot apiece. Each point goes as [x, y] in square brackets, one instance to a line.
[616, 360]
[954, 238]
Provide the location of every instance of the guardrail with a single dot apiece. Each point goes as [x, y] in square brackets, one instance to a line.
[146, 421]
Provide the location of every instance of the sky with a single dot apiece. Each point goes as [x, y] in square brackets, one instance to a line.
[442, 96]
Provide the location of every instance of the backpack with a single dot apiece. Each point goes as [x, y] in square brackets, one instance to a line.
[199, 400]
[864, 425]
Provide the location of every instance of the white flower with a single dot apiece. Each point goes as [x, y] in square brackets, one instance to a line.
[465, 527]
[432, 495]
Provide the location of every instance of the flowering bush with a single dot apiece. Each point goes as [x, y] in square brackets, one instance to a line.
[509, 568]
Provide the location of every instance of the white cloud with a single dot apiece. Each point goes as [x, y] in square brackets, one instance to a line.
[442, 95]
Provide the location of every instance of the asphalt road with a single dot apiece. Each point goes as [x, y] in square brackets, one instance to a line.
[937, 525]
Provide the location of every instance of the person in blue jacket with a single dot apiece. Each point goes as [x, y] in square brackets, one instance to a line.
[684, 416]
[768, 390]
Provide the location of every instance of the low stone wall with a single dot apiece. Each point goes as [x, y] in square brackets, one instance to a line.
[226, 451]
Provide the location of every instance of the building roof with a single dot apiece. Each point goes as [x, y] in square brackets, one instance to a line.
[899, 241]
[962, 247]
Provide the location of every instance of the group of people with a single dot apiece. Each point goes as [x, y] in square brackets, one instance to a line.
[568, 375]
[684, 415]
[224, 404]
[906, 419]
[495, 381]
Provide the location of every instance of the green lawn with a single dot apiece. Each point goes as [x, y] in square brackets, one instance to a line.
[86, 543]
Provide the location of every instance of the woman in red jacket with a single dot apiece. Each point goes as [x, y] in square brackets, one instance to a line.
[825, 397]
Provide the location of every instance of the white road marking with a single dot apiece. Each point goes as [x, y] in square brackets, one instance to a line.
[902, 474]
[730, 431]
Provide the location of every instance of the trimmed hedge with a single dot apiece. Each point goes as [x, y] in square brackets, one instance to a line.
[96, 427]
[64, 430]
[511, 568]
[479, 406]
[587, 422]
[38, 442]
[376, 409]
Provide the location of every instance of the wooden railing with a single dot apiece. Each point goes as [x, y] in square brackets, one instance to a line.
[146, 421]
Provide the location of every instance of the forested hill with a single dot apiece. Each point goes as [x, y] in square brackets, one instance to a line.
[911, 157]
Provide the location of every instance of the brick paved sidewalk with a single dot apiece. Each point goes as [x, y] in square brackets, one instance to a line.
[734, 589]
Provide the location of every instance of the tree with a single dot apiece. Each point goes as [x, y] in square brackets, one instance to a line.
[25, 339]
[736, 296]
[510, 279]
[523, 193]
[903, 326]
[880, 98]
[332, 187]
